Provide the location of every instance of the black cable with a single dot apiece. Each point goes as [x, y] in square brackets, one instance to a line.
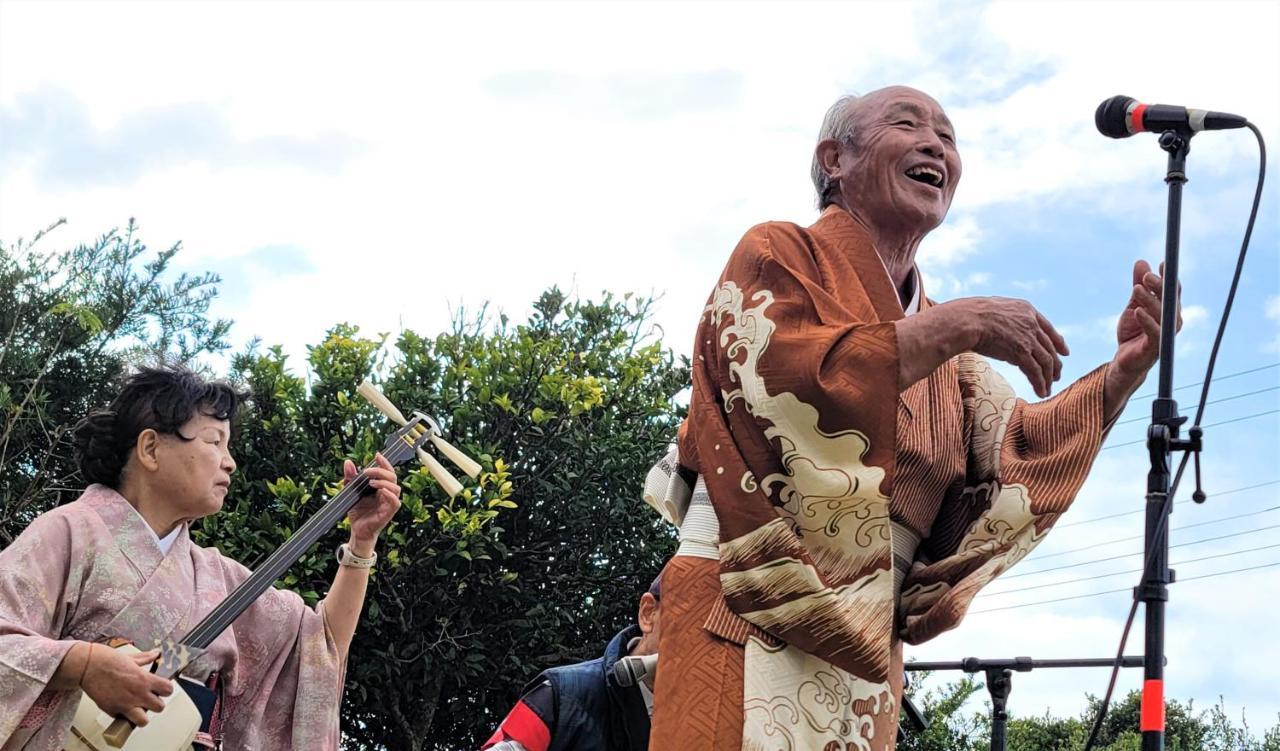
[1215, 401]
[1204, 398]
[1175, 529]
[1122, 589]
[1237, 374]
[1139, 552]
[1123, 573]
[1210, 425]
[1179, 503]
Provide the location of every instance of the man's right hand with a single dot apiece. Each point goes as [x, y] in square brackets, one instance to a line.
[1013, 331]
[999, 327]
[121, 685]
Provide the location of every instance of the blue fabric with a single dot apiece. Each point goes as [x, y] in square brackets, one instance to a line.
[592, 712]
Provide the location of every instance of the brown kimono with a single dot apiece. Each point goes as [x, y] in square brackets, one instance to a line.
[821, 474]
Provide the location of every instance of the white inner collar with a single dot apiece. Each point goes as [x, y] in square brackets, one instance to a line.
[164, 543]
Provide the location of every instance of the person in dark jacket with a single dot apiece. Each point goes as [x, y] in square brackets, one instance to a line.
[599, 705]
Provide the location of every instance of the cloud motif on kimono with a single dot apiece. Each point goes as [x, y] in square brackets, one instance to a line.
[829, 496]
[1008, 523]
[809, 704]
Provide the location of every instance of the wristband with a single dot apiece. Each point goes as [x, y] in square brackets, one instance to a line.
[351, 560]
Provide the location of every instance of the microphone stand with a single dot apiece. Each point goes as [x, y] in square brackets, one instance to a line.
[999, 675]
[1162, 441]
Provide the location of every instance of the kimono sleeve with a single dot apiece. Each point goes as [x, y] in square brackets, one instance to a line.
[34, 574]
[286, 687]
[1026, 464]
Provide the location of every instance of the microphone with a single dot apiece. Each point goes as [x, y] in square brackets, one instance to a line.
[1122, 116]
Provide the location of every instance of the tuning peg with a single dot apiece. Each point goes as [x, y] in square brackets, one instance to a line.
[434, 468]
[463, 462]
[379, 400]
[447, 482]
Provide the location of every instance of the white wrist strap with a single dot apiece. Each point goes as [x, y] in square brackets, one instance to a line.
[351, 560]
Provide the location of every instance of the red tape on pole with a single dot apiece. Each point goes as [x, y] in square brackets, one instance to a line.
[1152, 717]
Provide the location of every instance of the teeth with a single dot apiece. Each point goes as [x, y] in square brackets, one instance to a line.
[935, 177]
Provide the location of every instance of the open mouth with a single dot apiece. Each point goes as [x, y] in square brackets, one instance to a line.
[928, 175]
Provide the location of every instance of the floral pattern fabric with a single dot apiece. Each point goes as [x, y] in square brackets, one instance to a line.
[91, 571]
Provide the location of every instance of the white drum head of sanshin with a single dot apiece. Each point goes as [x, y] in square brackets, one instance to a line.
[173, 729]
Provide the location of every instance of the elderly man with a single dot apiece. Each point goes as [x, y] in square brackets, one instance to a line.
[857, 469]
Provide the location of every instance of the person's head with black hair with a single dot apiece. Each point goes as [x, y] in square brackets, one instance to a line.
[162, 443]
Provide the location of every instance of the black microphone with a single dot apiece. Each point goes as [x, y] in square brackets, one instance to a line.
[1122, 116]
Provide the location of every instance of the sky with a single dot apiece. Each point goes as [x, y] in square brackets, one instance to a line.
[389, 164]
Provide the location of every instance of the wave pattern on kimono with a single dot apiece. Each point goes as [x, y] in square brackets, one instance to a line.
[811, 458]
[91, 570]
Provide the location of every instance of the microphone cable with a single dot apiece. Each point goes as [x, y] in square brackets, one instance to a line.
[1204, 398]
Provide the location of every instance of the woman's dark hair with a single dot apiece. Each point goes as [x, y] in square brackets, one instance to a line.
[161, 399]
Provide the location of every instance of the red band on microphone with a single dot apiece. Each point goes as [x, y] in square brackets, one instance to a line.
[1152, 717]
[1135, 119]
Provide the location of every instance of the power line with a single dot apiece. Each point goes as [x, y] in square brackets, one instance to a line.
[1174, 529]
[1215, 401]
[1129, 555]
[1125, 589]
[1125, 573]
[1179, 503]
[1215, 380]
[1210, 425]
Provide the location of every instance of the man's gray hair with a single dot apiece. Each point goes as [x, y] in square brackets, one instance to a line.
[838, 125]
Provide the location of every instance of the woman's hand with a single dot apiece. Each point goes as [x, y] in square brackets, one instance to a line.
[367, 517]
[121, 685]
[372, 513]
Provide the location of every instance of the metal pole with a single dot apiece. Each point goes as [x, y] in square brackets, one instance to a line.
[1162, 440]
[999, 673]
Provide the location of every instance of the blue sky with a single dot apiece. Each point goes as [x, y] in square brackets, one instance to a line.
[442, 155]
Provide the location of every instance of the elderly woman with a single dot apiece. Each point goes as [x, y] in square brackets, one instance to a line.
[858, 471]
[119, 562]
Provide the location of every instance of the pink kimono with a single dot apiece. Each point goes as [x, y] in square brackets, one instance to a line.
[91, 570]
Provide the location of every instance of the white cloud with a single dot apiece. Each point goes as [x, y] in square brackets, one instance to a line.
[949, 244]
[1101, 328]
[1194, 315]
[1273, 314]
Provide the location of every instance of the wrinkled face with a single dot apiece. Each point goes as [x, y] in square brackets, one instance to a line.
[195, 474]
[902, 170]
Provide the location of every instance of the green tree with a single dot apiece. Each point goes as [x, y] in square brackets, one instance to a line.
[70, 322]
[536, 565]
[1185, 730]
[1045, 733]
[948, 728]
[951, 729]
